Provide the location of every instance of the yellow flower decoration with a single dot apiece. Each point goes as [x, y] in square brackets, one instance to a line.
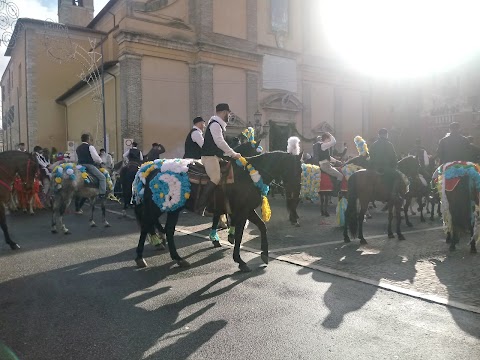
[155, 186]
[187, 195]
[162, 195]
[243, 161]
[266, 211]
[58, 180]
[84, 175]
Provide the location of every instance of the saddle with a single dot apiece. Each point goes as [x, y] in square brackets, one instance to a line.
[93, 181]
[197, 174]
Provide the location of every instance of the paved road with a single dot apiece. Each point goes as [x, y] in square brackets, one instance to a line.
[80, 297]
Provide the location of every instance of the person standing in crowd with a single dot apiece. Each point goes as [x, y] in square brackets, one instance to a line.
[155, 152]
[21, 147]
[43, 163]
[87, 156]
[194, 140]
[106, 159]
[214, 147]
[133, 154]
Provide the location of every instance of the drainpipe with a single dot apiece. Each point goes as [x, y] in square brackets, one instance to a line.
[116, 112]
[66, 120]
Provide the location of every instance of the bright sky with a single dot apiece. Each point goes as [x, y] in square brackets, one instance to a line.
[401, 38]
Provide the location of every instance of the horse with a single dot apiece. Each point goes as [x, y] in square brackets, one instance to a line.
[418, 190]
[65, 185]
[127, 175]
[367, 185]
[243, 195]
[460, 204]
[13, 163]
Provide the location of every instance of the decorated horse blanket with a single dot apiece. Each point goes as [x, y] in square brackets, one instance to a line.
[66, 171]
[447, 177]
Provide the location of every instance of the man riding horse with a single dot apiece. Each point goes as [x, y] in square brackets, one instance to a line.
[214, 147]
[321, 153]
[87, 156]
[383, 159]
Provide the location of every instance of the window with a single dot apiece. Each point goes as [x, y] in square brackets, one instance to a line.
[279, 15]
[77, 3]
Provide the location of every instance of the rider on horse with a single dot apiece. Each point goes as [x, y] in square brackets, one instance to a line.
[383, 159]
[213, 148]
[194, 140]
[454, 146]
[321, 153]
[133, 154]
[87, 156]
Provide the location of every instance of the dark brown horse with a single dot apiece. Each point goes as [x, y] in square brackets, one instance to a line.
[14, 163]
[367, 186]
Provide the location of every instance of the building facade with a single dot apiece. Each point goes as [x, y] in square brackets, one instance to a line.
[172, 60]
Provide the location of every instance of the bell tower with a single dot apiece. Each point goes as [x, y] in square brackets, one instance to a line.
[75, 12]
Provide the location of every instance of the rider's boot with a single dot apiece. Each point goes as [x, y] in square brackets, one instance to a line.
[204, 197]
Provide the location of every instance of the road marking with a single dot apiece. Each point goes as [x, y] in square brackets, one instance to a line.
[299, 247]
[382, 284]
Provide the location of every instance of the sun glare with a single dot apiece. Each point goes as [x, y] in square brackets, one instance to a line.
[402, 38]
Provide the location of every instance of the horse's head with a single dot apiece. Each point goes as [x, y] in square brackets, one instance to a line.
[409, 166]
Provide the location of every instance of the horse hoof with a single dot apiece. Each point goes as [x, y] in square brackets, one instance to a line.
[363, 242]
[54, 231]
[141, 263]
[67, 232]
[264, 258]
[391, 236]
[409, 224]
[159, 247]
[231, 239]
[244, 268]
[107, 224]
[14, 246]
[31, 214]
[369, 216]
[473, 250]
[183, 263]
[92, 224]
[216, 244]
[346, 240]
[400, 237]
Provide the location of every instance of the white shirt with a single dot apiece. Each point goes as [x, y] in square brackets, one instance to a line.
[125, 156]
[197, 136]
[216, 130]
[107, 160]
[93, 152]
[329, 144]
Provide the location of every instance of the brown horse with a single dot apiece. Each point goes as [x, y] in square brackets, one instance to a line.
[367, 186]
[14, 163]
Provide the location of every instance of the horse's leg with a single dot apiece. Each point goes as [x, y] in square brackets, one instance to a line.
[360, 218]
[398, 214]
[407, 205]
[390, 218]
[254, 218]
[3, 224]
[30, 203]
[172, 219]
[439, 210]
[420, 204]
[454, 239]
[322, 200]
[61, 210]
[54, 215]
[239, 227]
[231, 230]
[432, 206]
[92, 208]
[104, 213]
[213, 236]
[327, 201]
[141, 263]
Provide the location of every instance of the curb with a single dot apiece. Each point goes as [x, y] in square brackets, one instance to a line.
[380, 284]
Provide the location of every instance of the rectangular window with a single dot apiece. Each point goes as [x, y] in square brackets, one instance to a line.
[279, 15]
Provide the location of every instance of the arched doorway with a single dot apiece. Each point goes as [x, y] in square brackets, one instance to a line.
[279, 134]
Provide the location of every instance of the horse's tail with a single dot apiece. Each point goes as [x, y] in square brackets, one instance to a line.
[460, 206]
[351, 214]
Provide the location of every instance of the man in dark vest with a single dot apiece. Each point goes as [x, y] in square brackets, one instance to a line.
[133, 154]
[87, 156]
[155, 152]
[194, 140]
[214, 147]
[322, 155]
[454, 146]
[383, 159]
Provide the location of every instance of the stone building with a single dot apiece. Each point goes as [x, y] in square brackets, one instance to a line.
[168, 61]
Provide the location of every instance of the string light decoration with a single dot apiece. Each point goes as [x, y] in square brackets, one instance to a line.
[9, 14]
[62, 49]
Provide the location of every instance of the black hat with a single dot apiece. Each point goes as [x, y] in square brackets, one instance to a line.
[198, 119]
[382, 131]
[222, 107]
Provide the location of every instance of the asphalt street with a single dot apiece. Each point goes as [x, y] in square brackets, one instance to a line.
[81, 297]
